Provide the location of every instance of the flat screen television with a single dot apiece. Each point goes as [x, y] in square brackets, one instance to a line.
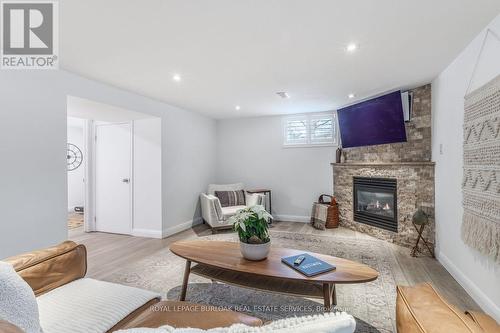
[377, 121]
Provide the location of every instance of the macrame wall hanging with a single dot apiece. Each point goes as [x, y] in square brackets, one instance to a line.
[481, 182]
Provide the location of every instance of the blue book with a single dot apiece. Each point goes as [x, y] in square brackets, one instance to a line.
[310, 266]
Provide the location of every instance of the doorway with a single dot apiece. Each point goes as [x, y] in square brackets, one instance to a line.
[75, 156]
[122, 169]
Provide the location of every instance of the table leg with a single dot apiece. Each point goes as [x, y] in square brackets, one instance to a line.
[431, 251]
[327, 297]
[187, 270]
[270, 206]
[334, 295]
[414, 250]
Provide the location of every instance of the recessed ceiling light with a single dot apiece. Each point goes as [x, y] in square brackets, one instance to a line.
[351, 95]
[237, 107]
[176, 77]
[351, 47]
[283, 94]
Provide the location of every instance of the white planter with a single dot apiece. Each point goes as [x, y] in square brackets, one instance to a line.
[255, 251]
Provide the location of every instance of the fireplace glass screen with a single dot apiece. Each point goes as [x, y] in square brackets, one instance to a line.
[378, 203]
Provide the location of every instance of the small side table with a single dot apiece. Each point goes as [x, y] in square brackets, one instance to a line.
[267, 193]
[419, 220]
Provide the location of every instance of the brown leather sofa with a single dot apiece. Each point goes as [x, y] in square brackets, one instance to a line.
[50, 268]
[6, 327]
[420, 309]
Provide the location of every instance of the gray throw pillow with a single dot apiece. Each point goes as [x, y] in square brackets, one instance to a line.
[231, 198]
[18, 304]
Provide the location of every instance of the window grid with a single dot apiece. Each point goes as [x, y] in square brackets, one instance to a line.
[310, 130]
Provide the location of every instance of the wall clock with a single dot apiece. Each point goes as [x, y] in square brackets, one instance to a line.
[74, 157]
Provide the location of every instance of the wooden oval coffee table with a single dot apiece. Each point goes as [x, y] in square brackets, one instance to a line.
[222, 261]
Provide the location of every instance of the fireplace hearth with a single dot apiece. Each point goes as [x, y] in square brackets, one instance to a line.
[375, 202]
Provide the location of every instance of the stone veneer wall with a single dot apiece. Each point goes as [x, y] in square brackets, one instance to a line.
[415, 188]
[408, 162]
[418, 134]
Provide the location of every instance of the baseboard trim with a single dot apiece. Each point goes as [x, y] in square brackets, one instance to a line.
[181, 227]
[147, 233]
[292, 218]
[472, 289]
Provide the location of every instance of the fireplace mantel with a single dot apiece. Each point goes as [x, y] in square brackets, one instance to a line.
[381, 164]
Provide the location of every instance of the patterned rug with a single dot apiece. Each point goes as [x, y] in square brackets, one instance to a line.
[372, 304]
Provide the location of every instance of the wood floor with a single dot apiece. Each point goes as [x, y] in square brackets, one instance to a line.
[108, 253]
[75, 220]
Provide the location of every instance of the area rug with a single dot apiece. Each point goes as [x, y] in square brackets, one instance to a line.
[372, 304]
[481, 182]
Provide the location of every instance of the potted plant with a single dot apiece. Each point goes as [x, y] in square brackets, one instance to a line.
[252, 228]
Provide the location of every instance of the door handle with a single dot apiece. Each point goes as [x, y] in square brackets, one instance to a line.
[126, 180]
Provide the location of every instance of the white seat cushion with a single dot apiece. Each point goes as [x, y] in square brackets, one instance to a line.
[231, 210]
[89, 306]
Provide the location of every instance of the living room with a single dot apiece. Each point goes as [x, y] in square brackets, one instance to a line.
[260, 110]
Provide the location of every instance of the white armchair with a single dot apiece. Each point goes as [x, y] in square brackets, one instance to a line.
[217, 216]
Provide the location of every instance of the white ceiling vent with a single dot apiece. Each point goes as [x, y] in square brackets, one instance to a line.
[283, 94]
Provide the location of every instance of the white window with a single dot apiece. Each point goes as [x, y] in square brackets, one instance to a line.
[296, 130]
[310, 130]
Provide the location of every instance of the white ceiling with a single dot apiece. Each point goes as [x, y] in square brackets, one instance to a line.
[242, 52]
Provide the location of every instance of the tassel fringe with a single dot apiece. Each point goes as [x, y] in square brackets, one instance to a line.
[481, 234]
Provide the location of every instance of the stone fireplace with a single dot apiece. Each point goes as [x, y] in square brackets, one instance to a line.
[379, 188]
[415, 189]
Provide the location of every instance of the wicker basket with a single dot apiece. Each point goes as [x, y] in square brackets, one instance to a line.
[332, 219]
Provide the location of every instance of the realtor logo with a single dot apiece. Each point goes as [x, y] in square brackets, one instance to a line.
[29, 35]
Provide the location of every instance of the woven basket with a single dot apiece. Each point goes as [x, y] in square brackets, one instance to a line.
[332, 218]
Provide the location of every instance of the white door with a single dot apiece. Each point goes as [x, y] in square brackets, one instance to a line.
[113, 155]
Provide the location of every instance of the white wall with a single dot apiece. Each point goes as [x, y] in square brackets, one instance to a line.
[479, 275]
[147, 178]
[33, 200]
[76, 189]
[250, 150]
[189, 159]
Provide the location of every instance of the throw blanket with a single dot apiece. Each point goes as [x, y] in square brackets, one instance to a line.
[319, 216]
[339, 322]
[89, 306]
[481, 182]
[17, 300]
